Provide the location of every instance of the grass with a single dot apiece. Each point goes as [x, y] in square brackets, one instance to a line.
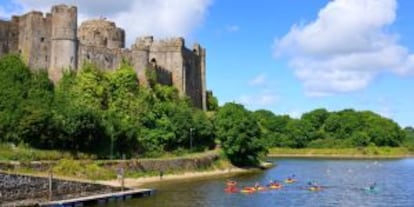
[68, 166]
[80, 169]
[357, 152]
[10, 152]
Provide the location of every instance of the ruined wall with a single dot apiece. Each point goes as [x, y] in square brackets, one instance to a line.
[192, 71]
[168, 54]
[103, 58]
[34, 39]
[101, 43]
[101, 33]
[4, 37]
[9, 36]
[174, 64]
[139, 57]
[64, 41]
[14, 33]
[164, 76]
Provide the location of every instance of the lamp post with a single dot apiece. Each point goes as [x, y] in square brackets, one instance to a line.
[191, 139]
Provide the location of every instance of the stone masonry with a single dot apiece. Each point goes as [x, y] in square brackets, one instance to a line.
[53, 42]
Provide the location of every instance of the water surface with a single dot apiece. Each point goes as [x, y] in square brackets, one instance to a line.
[343, 180]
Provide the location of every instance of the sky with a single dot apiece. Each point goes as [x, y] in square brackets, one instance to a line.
[286, 56]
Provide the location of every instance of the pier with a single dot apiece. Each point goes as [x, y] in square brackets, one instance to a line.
[100, 199]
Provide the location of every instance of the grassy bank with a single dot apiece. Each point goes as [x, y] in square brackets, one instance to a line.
[386, 152]
[91, 169]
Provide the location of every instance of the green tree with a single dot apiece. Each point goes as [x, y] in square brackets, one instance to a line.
[202, 131]
[124, 108]
[212, 102]
[37, 126]
[316, 117]
[299, 132]
[239, 134]
[15, 80]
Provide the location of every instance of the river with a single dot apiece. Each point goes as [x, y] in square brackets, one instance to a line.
[343, 182]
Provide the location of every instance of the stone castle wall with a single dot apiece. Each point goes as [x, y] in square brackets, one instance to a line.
[53, 42]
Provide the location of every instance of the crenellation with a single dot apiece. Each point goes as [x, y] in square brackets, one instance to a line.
[54, 42]
[143, 42]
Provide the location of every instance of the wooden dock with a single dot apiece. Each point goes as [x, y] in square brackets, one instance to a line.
[99, 199]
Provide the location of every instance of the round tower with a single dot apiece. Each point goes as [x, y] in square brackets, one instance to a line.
[101, 33]
[63, 41]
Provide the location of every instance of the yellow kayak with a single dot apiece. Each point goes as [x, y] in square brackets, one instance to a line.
[314, 188]
[275, 186]
[248, 190]
[290, 180]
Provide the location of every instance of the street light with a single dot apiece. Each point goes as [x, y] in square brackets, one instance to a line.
[191, 139]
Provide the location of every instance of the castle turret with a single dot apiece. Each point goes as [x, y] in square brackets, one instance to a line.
[101, 33]
[64, 41]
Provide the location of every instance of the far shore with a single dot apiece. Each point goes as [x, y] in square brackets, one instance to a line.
[341, 156]
[371, 152]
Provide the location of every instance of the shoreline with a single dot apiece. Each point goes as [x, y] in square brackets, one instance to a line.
[138, 182]
[340, 156]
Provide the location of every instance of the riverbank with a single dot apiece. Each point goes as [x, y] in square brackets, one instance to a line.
[230, 170]
[136, 171]
[345, 153]
[137, 182]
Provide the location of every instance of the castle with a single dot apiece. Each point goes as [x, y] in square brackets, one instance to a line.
[53, 42]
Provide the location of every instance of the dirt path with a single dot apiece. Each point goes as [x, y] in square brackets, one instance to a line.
[136, 182]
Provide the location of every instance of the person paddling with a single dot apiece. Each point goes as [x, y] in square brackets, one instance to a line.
[373, 186]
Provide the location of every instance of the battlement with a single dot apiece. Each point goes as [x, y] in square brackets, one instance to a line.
[166, 45]
[64, 8]
[33, 13]
[98, 23]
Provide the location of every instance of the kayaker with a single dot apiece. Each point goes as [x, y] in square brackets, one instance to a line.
[373, 186]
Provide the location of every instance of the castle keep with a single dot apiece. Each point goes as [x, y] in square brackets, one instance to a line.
[53, 42]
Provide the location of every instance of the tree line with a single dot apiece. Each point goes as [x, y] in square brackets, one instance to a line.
[111, 115]
[105, 113]
[322, 129]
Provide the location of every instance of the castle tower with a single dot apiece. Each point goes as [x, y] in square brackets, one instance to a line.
[201, 52]
[63, 41]
[101, 33]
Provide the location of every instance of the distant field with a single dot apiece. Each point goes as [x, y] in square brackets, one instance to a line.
[343, 152]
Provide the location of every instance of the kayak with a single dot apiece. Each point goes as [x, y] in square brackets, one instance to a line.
[261, 188]
[231, 190]
[248, 190]
[314, 188]
[371, 190]
[290, 180]
[275, 186]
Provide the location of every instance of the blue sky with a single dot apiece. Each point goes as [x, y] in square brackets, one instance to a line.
[287, 56]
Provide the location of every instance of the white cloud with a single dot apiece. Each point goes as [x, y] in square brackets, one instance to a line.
[293, 113]
[384, 108]
[259, 80]
[161, 18]
[260, 100]
[346, 47]
[232, 28]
